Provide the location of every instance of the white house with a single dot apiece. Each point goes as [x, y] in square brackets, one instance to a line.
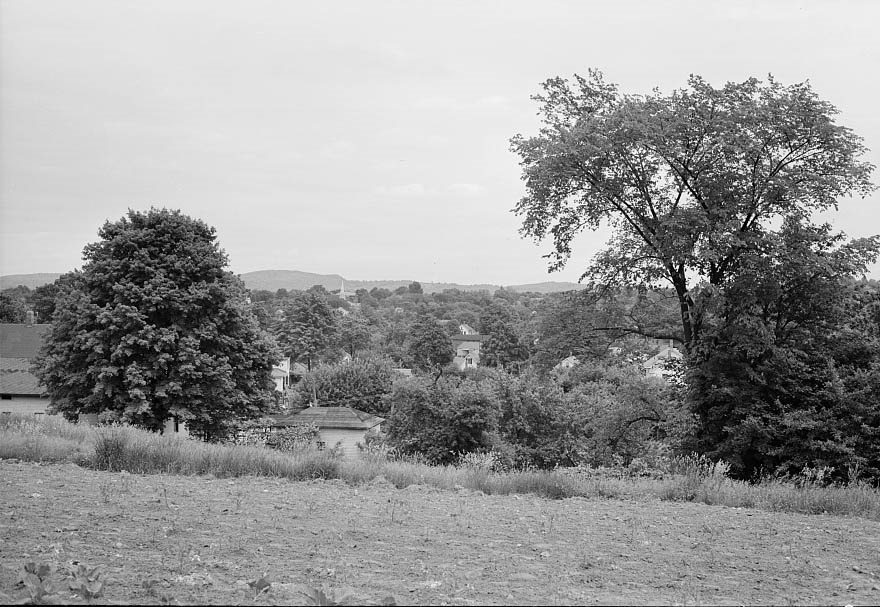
[467, 350]
[567, 363]
[281, 375]
[654, 366]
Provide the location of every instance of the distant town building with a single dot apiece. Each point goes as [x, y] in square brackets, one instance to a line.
[567, 363]
[467, 350]
[655, 366]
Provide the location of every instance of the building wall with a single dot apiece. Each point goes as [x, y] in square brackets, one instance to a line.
[24, 404]
[467, 354]
[173, 426]
[347, 439]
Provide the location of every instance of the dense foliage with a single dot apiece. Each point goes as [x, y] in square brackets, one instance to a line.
[443, 419]
[782, 377]
[153, 326]
[305, 327]
[690, 182]
[363, 383]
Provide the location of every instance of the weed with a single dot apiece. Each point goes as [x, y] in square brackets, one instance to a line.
[260, 585]
[45, 583]
[328, 597]
[42, 584]
[87, 582]
[399, 511]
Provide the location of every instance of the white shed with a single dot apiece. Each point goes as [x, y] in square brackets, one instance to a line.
[344, 427]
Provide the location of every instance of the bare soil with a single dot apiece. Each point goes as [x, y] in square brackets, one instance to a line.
[199, 540]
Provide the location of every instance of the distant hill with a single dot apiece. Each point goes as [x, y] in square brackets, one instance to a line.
[31, 281]
[272, 280]
[547, 287]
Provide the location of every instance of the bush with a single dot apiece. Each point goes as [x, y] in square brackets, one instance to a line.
[443, 419]
[258, 433]
[364, 384]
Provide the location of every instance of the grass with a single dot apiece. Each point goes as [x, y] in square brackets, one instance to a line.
[693, 478]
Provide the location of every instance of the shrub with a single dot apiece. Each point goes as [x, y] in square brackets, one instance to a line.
[364, 384]
[442, 419]
[259, 433]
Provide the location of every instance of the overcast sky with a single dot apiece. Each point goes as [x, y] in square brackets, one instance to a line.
[369, 139]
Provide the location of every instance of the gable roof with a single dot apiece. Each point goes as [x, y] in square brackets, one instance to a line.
[472, 337]
[21, 340]
[331, 417]
[662, 355]
[567, 363]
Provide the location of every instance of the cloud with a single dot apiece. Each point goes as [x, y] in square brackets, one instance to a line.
[444, 103]
[492, 101]
[467, 189]
[419, 190]
[408, 190]
[337, 150]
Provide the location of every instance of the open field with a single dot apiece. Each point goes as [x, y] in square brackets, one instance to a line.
[196, 539]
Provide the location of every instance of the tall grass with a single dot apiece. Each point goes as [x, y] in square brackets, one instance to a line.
[692, 478]
[137, 451]
[47, 439]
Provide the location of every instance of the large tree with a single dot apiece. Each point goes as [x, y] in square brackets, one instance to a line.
[781, 377]
[307, 326]
[154, 326]
[689, 182]
[12, 309]
[429, 345]
[502, 345]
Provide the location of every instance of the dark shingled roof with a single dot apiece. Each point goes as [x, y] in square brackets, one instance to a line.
[331, 417]
[21, 340]
[18, 344]
[17, 382]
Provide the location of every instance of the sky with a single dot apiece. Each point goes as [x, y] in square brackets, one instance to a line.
[368, 138]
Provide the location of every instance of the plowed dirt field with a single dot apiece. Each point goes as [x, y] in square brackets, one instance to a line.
[196, 540]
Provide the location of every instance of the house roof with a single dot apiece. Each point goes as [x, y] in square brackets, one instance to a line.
[567, 363]
[21, 340]
[331, 417]
[298, 369]
[474, 337]
[15, 379]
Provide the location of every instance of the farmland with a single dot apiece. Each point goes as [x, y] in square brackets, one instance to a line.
[197, 539]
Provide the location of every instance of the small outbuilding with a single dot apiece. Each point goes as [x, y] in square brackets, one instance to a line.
[338, 427]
